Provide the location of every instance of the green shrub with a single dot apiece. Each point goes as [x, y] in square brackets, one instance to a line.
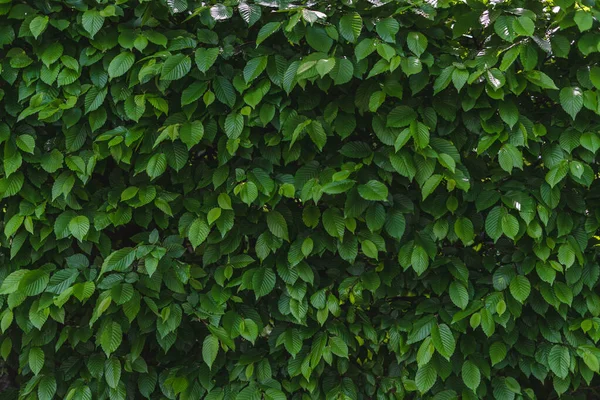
[331, 200]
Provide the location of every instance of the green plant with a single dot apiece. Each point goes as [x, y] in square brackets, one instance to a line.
[341, 200]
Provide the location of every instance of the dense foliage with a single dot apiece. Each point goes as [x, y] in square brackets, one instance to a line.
[323, 200]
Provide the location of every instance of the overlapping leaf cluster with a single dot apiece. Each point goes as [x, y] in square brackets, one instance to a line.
[306, 200]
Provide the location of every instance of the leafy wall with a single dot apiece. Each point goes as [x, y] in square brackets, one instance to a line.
[319, 200]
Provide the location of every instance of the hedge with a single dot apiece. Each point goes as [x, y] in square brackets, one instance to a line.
[349, 199]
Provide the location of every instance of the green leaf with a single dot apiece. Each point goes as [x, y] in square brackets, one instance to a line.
[338, 346]
[545, 272]
[213, 215]
[509, 57]
[111, 337]
[443, 79]
[38, 25]
[510, 157]
[559, 360]
[193, 93]
[430, 185]
[92, 22]
[471, 375]
[135, 107]
[529, 56]
[459, 78]
[47, 388]
[540, 79]
[277, 225]
[63, 185]
[118, 260]
[497, 352]
[401, 116]
[52, 53]
[250, 13]
[443, 340]
[34, 282]
[463, 228]
[10, 284]
[459, 295]
[318, 39]
[36, 360]
[387, 29]
[520, 288]
[94, 98]
[590, 141]
[342, 71]
[198, 232]
[210, 349]
[263, 282]
[112, 372]
[510, 226]
[334, 223]
[121, 64]
[376, 100]
[266, 31]
[79, 227]
[419, 260]
[13, 225]
[591, 361]
[250, 331]
[557, 173]
[509, 113]
[420, 134]
[373, 190]
[324, 66]
[583, 19]
[248, 192]
[234, 125]
[523, 26]
[365, 48]
[395, 224]
[317, 134]
[307, 246]
[292, 340]
[370, 249]
[205, 58]
[175, 67]
[254, 68]
[561, 46]
[595, 76]
[250, 392]
[191, 133]
[351, 26]
[157, 165]
[426, 377]
[563, 293]
[571, 100]
[495, 78]
[425, 352]
[504, 28]
[417, 43]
